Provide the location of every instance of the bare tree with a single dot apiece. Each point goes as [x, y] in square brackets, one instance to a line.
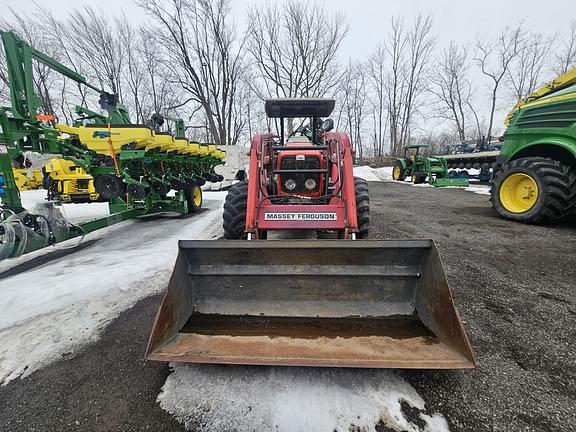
[452, 88]
[94, 41]
[133, 70]
[206, 57]
[494, 58]
[294, 47]
[566, 58]
[410, 51]
[44, 77]
[161, 94]
[353, 104]
[525, 71]
[376, 75]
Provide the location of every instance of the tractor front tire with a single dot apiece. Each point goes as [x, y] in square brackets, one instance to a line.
[234, 221]
[362, 207]
[534, 190]
[194, 199]
[418, 179]
[398, 171]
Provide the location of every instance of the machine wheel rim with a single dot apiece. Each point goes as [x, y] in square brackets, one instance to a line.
[396, 172]
[197, 196]
[519, 193]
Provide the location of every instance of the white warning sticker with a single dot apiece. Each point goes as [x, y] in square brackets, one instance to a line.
[329, 216]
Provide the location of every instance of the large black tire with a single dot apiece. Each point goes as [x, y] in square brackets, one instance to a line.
[556, 197]
[362, 207]
[234, 221]
[398, 171]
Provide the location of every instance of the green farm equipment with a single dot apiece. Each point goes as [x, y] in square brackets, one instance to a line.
[535, 178]
[422, 168]
[133, 167]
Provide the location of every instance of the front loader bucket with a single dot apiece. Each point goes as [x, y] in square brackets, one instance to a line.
[342, 303]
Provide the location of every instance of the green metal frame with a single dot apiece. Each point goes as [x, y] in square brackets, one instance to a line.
[545, 127]
[21, 129]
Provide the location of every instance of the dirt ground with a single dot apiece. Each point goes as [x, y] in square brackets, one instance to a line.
[513, 286]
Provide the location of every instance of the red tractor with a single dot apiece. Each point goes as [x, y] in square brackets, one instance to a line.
[300, 182]
[294, 302]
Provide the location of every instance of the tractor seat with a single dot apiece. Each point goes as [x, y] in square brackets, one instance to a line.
[298, 140]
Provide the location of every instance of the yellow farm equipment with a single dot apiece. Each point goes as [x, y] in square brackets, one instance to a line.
[27, 181]
[69, 182]
[109, 141]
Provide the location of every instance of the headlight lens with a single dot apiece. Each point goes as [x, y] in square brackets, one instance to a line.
[310, 184]
[290, 184]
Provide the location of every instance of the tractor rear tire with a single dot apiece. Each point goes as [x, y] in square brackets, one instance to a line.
[534, 190]
[362, 207]
[234, 221]
[398, 171]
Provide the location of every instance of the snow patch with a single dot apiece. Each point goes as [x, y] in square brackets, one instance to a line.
[373, 174]
[479, 189]
[73, 212]
[211, 398]
[53, 309]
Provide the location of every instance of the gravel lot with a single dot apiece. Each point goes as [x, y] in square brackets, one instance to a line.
[513, 286]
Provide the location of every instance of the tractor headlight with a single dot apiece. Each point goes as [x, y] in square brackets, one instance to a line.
[290, 184]
[310, 184]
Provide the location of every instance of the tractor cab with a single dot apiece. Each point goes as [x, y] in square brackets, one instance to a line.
[416, 148]
[300, 163]
[311, 110]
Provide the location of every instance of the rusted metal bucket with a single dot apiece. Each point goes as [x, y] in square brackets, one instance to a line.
[341, 303]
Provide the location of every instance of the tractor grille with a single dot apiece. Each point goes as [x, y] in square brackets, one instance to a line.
[551, 116]
[294, 163]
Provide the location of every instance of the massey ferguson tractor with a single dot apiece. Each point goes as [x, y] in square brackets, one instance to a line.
[342, 302]
[300, 182]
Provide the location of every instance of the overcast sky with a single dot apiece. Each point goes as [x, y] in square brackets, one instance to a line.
[462, 21]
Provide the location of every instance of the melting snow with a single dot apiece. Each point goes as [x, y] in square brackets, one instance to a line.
[56, 308]
[52, 309]
[373, 174]
[479, 189]
[212, 398]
